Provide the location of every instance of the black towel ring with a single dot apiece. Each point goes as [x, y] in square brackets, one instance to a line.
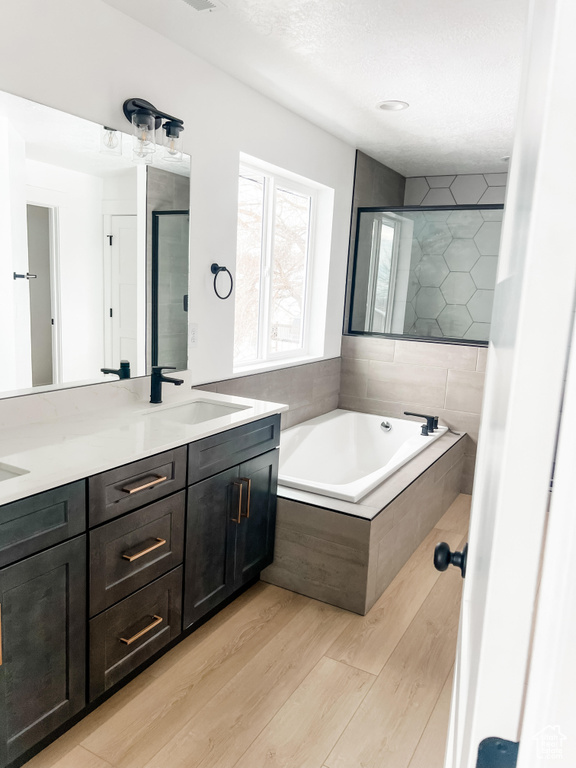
[215, 269]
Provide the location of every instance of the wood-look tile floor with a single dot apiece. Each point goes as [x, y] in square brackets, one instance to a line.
[277, 680]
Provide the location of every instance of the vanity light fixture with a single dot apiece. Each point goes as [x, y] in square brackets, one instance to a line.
[110, 141]
[173, 140]
[146, 120]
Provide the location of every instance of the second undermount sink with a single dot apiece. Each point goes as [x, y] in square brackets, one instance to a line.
[7, 472]
[196, 412]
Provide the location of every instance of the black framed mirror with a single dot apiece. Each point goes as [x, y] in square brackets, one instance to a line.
[75, 286]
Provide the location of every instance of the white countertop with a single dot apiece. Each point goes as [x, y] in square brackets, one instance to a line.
[63, 449]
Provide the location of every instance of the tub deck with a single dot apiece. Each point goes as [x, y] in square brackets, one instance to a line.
[346, 554]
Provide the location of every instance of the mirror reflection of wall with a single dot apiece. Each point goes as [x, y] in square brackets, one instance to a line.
[426, 272]
[77, 233]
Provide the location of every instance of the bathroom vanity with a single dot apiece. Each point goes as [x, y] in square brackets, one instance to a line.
[101, 574]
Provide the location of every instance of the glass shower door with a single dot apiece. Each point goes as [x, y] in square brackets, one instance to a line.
[169, 326]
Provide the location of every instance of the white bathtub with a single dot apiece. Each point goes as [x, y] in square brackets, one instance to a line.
[346, 454]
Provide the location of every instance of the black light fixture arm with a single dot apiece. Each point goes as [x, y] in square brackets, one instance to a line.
[133, 105]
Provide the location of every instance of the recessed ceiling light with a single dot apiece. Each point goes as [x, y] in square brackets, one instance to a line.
[393, 106]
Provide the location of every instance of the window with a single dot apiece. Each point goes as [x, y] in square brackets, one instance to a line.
[273, 267]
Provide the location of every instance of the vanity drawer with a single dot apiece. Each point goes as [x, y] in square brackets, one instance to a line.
[130, 552]
[39, 521]
[126, 488]
[125, 636]
[219, 452]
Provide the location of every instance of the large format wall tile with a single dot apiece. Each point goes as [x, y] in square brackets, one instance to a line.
[441, 355]
[464, 391]
[368, 348]
[418, 384]
[310, 390]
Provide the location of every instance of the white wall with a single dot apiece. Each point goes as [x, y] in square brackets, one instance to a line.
[88, 67]
[77, 198]
[14, 294]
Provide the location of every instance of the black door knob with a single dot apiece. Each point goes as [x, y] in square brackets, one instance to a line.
[443, 557]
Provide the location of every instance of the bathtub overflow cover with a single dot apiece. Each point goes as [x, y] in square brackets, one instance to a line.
[386, 426]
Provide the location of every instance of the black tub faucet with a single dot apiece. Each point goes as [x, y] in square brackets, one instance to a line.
[157, 379]
[431, 422]
[123, 372]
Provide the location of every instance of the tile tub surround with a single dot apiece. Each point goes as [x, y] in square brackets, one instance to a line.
[388, 377]
[309, 390]
[347, 554]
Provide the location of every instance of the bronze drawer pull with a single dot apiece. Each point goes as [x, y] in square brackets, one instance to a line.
[130, 555]
[239, 518]
[249, 481]
[130, 640]
[140, 486]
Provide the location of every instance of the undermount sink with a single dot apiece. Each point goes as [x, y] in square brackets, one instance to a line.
[7, 472]
[195, 413]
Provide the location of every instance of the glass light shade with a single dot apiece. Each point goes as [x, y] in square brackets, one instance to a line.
[172, 141]
[144, 135]
[110, 141]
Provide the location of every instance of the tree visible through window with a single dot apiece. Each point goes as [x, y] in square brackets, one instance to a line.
[272, 267]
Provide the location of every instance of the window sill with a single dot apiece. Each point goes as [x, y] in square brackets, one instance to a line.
[275, 365]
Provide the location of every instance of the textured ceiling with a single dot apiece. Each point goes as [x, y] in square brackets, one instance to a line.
[457, 63]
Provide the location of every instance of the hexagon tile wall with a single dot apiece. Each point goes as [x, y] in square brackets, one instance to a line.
[454, 257]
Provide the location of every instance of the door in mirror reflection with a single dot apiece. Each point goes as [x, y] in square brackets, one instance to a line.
[170, 288]
[127, 324]
[39, 277]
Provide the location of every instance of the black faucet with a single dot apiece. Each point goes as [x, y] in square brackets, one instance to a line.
[157, 379]
[123, 372]
[431, 422]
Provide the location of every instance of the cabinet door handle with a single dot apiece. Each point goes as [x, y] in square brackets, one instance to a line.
[130, 640]
[240, 487]
[0, 634]
[130, 555]
[247, 480]
[140, 486]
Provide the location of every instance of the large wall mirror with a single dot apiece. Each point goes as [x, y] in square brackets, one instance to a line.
[425, 273]
[94, 264]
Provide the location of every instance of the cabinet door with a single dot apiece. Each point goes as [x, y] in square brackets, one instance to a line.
[255, 535]
[212, 522]
[43, 645]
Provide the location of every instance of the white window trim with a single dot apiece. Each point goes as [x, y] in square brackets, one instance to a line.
[274, 179]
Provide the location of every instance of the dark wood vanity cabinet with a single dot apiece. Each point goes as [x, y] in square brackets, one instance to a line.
[135, 594]
[42, 616]
[230, 519]
[43, 670]
[99, 576]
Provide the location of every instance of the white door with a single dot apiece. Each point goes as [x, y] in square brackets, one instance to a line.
[123, 310]
[531, 328]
